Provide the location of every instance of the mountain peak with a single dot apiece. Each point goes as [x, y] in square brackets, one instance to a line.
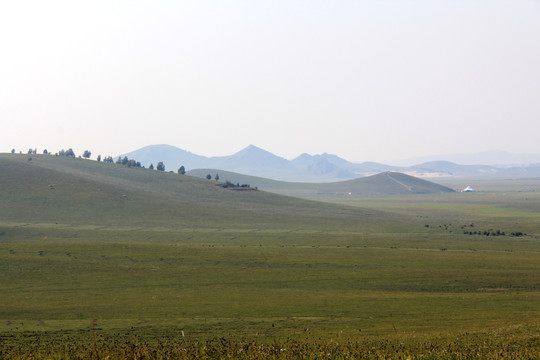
[256, 153]
[172, 156]
[252, 148]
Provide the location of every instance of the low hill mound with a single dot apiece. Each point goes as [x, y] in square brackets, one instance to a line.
[383, 184]
[387, 183]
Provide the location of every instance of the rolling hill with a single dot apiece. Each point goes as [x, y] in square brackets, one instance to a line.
[68, 191]
[382, 184]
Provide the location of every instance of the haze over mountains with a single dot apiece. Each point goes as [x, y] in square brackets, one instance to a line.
[495, 158]
[255, 161]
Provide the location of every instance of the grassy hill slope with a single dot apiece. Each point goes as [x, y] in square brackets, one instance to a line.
[387, 183]
[62, 190]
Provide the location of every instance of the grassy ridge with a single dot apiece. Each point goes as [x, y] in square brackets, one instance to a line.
[73, 191]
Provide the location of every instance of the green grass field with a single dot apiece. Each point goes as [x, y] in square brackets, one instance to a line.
[129, 263]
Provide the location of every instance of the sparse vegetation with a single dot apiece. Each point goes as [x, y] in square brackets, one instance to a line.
[489, 232]
[229, 185]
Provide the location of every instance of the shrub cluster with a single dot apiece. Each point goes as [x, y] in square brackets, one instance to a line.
[492, 232]
[489, 232]
[128, 162]
[228, 184]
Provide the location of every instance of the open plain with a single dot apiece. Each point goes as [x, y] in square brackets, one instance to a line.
[102, 260]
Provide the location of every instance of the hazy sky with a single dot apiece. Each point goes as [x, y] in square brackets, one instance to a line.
[367, 80]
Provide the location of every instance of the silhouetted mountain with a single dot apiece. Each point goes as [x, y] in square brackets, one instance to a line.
[369, 167]
[255, 161]
[324, 167]
[305, 160]
[171, 156]
[346, 168]
[495, 158]
[532, 170]
[452, 169]
[252, 160]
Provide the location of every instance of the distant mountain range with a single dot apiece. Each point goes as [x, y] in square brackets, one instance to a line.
[496, 158]
[255, 161]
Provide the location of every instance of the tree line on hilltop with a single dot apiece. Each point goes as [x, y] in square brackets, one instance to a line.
[125, 161]
[107, 159]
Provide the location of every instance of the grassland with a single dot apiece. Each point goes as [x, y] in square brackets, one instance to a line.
[127, 263]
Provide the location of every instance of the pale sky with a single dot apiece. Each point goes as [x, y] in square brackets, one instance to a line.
[366, 80]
